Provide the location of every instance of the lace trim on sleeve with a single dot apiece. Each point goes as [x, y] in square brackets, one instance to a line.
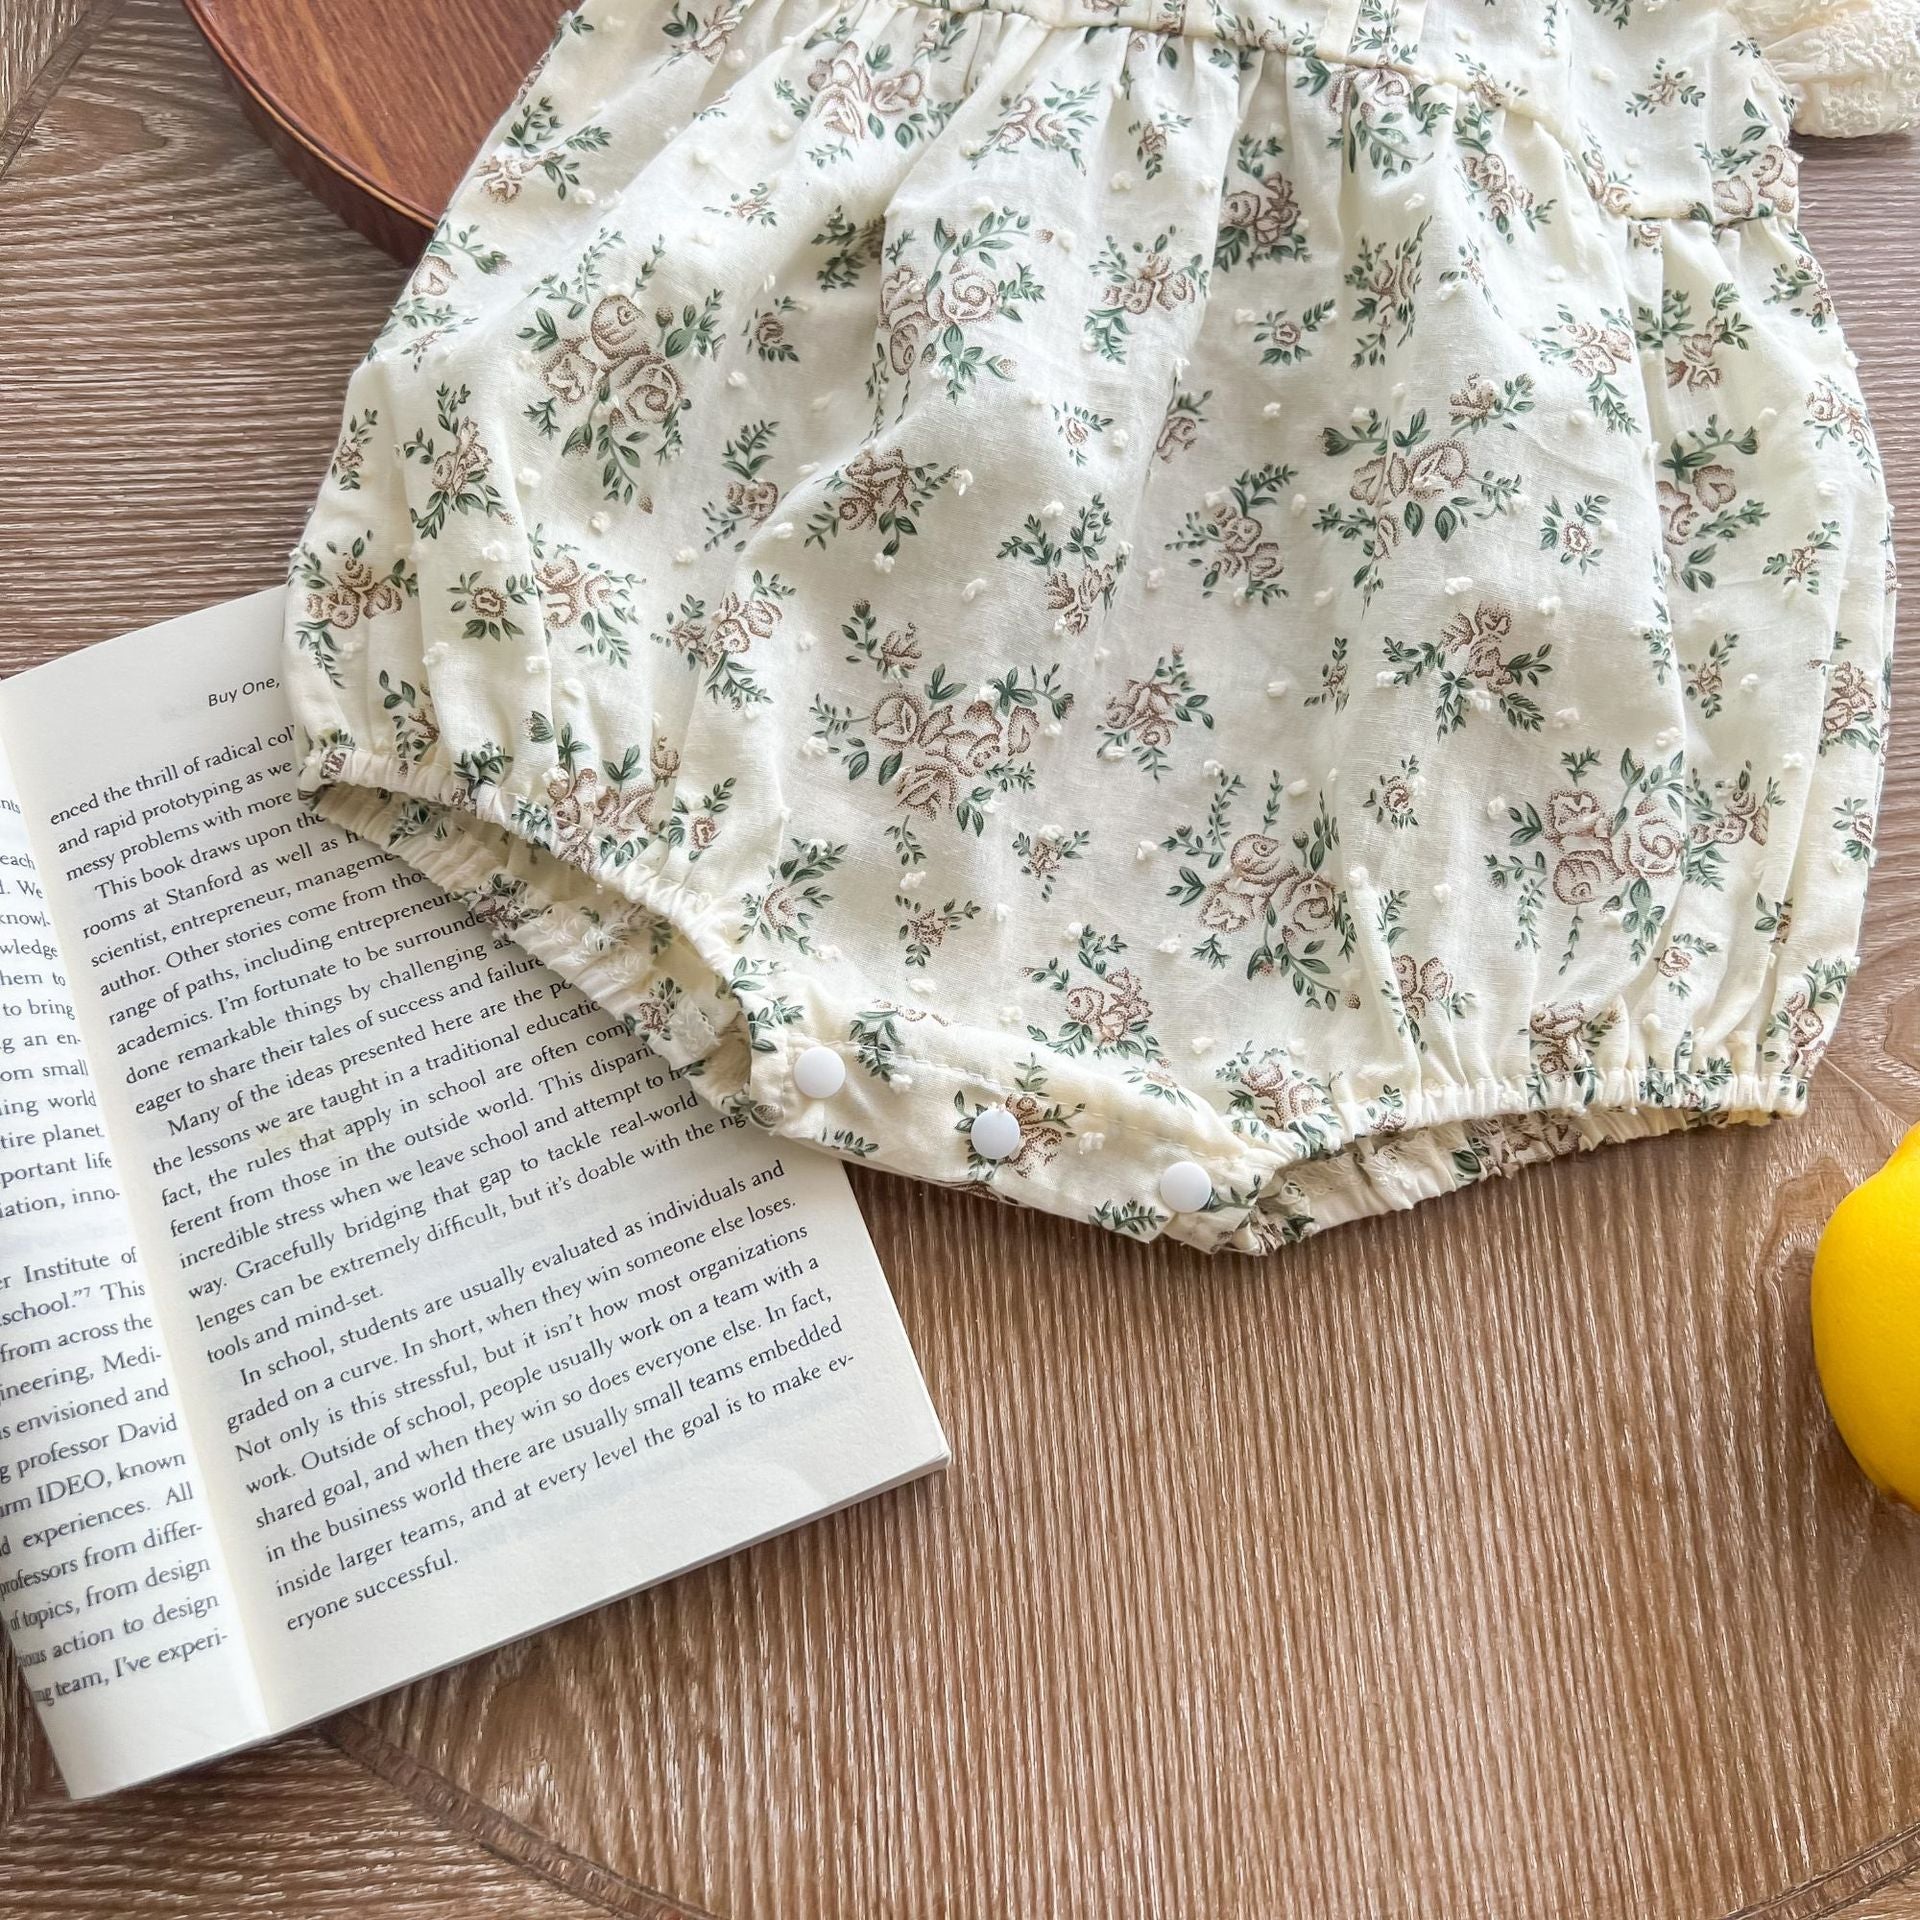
[1852, 66]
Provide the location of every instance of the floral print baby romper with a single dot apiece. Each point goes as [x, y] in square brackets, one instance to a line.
[1216, 617]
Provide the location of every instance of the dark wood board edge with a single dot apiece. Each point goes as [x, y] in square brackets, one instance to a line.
[396, 226]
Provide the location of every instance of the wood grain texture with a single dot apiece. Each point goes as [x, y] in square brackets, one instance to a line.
[298, 1829]
[385, 155]
[28, 35]
[1496, 1560]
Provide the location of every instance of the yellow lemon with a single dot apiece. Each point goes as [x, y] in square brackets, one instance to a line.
[1866, 1322]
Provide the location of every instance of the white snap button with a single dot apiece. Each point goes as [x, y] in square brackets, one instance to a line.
[995, 1133]
[819, 1073]
[1185, 1188]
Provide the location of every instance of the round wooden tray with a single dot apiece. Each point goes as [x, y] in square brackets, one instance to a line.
[377, 108]
[1493, 1559]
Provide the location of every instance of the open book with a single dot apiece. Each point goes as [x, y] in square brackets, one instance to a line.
[368, 1297]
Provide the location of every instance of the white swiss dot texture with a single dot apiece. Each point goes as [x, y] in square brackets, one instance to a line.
[1185, 1188]
[819, 1073]
[995, 1133]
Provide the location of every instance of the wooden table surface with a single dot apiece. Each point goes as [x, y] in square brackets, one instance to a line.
[1493, 1561]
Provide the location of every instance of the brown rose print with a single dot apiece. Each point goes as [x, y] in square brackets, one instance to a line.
[595, 816]
[1139, 277]
[1141, 715]
[879, 488]
[1230, 543]
[1260, 221]
[718, 641]
[1104, 1003]
[1265, 1088]
[934, 304]
[943, 749]
[1471, 666]
[340, 588]
[1701, 501]
[1851, 713]
[750, 496]
[621, 376]
[534, 149]
[1080, 573]
[853, 102]
[1280, 889]
[1624, 859]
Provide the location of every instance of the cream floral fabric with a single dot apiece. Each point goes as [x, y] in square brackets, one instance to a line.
[1298, 590]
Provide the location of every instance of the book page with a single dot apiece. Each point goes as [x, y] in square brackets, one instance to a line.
[112, 1584]
[479, 1317]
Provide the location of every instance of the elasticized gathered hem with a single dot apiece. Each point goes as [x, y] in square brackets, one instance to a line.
[660, 955]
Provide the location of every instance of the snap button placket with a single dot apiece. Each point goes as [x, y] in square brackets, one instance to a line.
[819, 1073]
[995, 1133]
[1184, 1187]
